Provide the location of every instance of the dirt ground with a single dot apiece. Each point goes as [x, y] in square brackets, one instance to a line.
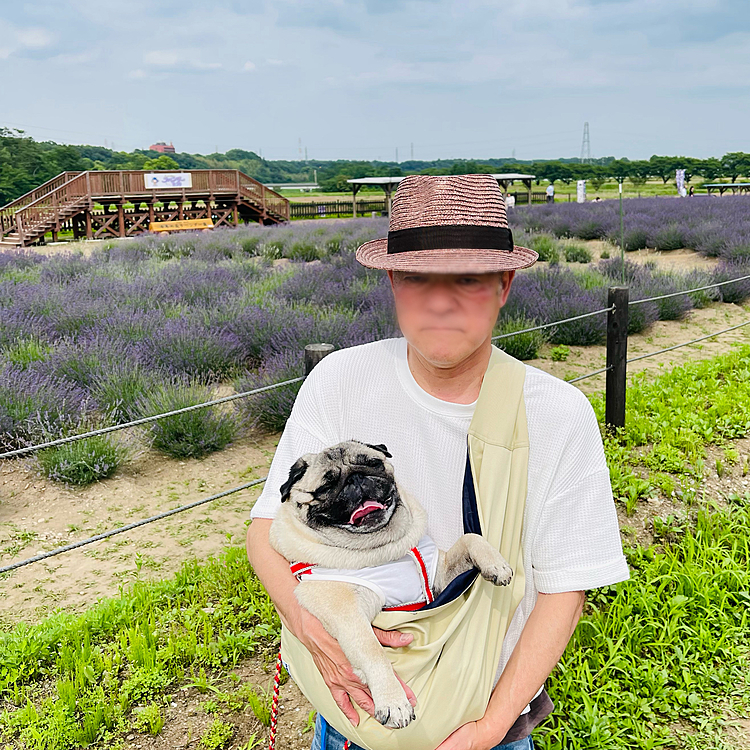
[37, 515]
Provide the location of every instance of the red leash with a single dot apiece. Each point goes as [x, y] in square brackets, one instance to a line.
[275, 707]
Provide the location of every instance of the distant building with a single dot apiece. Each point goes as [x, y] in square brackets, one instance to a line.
[162, 148]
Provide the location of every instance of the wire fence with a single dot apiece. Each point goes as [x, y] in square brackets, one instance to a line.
[128, 527]
[146, 420]
[233, 397]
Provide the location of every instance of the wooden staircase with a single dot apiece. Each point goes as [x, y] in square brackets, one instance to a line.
[83, 201]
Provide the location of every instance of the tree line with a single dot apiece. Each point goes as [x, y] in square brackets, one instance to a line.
[26, 164]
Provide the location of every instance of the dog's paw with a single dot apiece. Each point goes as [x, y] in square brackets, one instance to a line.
[396, 714]
[499, 575]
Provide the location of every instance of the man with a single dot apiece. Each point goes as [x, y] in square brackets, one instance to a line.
[550, 191]
[451, 261]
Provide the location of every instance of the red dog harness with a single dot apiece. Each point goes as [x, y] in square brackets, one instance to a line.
[402, 585]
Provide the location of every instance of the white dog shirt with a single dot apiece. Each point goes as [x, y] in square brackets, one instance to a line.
[404, 584]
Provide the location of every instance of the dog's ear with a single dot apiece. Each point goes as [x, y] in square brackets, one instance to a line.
[295, 474]
[380, 448]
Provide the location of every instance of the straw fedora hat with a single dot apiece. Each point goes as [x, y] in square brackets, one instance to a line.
[447, 224]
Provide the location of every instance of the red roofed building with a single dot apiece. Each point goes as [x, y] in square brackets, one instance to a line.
[162, 148]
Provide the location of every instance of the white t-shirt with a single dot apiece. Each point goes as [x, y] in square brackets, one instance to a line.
[550, 189]
[570, 536]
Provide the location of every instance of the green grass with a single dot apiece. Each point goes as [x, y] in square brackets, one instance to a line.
[655, 662]
[670, 419]
[74, 678]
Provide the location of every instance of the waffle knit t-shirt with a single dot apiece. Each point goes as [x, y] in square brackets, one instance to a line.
[570, 536]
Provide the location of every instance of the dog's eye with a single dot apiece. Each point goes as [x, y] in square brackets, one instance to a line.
[362, 459]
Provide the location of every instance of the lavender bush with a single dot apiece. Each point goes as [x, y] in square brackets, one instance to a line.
[713, 226]
[98, 339]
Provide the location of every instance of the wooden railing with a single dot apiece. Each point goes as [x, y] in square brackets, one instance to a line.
[55, 201]
[7, 221]
[44, 212]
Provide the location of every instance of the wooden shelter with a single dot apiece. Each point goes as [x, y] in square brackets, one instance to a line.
[505, 180]
[122, 203]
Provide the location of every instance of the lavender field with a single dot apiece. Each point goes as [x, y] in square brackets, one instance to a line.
[154, 323]
[712, 226]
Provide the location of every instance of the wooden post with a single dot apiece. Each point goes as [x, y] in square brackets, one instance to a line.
[355, 188]
[617, 355]
[387, 189]
[89, 232]
[121, 217]
[314, 353]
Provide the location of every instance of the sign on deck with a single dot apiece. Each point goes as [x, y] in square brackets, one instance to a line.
[176, 226]
[160, 180]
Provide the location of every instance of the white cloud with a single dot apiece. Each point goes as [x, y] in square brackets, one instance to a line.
[34, 38]
[162, 58]
[248, 66]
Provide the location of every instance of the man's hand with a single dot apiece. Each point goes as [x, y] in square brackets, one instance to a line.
[274, 574]
[335, 668]
[468, 737]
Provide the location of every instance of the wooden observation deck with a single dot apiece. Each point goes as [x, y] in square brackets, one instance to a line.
[118, 203]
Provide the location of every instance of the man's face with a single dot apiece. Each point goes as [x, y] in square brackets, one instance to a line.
[447, 317]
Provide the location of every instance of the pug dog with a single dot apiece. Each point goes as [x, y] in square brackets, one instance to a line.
[356, 541]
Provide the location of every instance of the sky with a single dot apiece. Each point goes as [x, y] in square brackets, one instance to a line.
[382, 79]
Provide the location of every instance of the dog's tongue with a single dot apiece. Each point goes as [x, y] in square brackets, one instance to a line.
[367, 507]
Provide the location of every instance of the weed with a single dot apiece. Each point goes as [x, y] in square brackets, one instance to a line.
[149, 719]
[218, 735]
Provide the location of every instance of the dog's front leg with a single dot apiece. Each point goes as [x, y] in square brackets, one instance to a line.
[472, 551]
[346, 612]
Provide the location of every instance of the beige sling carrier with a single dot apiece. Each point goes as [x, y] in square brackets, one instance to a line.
[452, 661]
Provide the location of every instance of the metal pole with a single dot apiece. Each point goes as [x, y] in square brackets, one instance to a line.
[617, 356]
[622, 240]
[314, 353]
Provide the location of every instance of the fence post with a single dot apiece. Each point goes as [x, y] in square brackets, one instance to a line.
[314, 353]
[617, 355]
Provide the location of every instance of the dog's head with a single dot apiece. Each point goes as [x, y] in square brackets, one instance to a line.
[349, 487]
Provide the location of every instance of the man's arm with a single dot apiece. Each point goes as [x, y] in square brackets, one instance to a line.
[273, 571]
[540, 646]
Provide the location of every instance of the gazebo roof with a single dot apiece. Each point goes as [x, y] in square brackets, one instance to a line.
[513, 176]
[396, 180]
[375, 180]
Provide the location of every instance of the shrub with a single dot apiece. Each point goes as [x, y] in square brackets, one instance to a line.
[554, 293]
[577, 254]
[739, 291]
[523, 345]
[193, 434]
[592, 229]
[271, 409]
[119, 386]
[547, 247]
[29, 396]
[635, 239]
[670, 238]
[560, 353]
[83, 461]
